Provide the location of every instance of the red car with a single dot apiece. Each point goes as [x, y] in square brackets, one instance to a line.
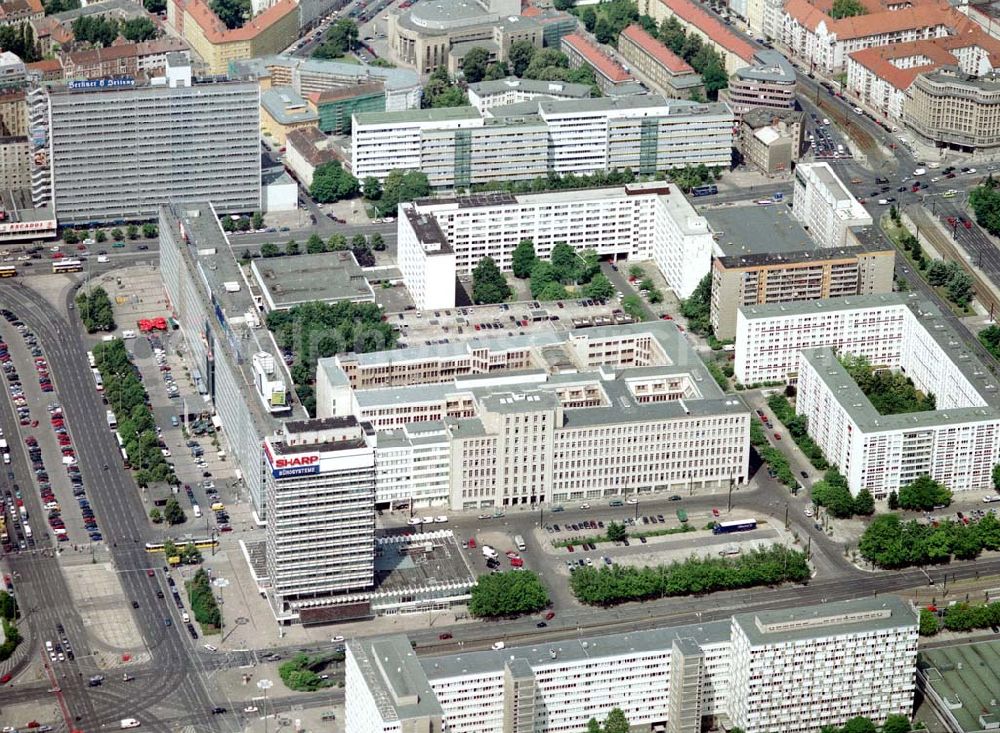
[550, 615]
[444, 637]
[777, 436]
[569, 547]
[715, 512]
[150, 572]
[6, 678]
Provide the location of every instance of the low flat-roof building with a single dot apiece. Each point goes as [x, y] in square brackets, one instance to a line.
[286, 282]
[22, 221]
[666, 72]
[660, 678]
[307, 76]
[960, 682]
[608, 72]
[485, 95]
[282, 110]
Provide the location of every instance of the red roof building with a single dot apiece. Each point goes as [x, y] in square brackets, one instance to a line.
[582, 50]
[656, 64]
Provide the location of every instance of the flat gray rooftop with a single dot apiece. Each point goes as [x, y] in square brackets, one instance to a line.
[827, 619]
[328, 277]
[533, 86]
[394, 677]
[755, 230]
[967, 678]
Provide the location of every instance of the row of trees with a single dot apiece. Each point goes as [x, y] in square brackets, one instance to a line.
[243, 223]
[960, 617]
[95, 310]
[341, 39]
[616, 722]
[127, 397]
[188, 553]
[619, 583]
[891, 393]
[443, 91]
[132, 232]
[703, 58]
[646, 283]
[507, 594]
[891, 543]
[547, 64]
[564, 267]
[102, 30]
[11, 635]
[833, 493]
[360, 245]
[797, 427]
[203, 604]
[694, 175]
[894, 723]
[697, 307]
[777, 463]
[556, 182]
[951, 276]
[318, 330]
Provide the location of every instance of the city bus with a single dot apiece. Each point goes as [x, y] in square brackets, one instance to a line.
[97, 380]
[67, 266]
[707, 190]
[8, 271]
[737, 525]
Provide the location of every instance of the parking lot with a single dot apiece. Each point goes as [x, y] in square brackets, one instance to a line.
[824, 141]
[46, 441]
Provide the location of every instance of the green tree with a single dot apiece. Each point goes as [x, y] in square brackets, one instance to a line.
[232, 13]
[896, 724]
[474, 64]
[864, 503]
[269, 249]
[847, 9]
[893, 501]
[139, 29]
[100, 236]
[616, 532]
[371, 189]
[672, 34]
[833, 493]
[924, 494]
[337, 243]
[340, 40]
[8, 606]
[959, 287]
[154, 516]
[519, 56]
[488, 283]
[203, 604]
[377, 242]
[882, 542]
[599, 287]
[523, 258]
[589, 18]
[173, 513]
[69, 236]
[440, 91]
[117, 234]
[315, 244]
[149, 230]
[604, 32]
[929, 625]
[858, 725]
[132, 231]
[890, 392]
[552, 291]
[938, 273]
[497, 70]
[507, 594]
[985, 203]
[95, 310]
[155, 6]
[291, 247]
[332, 183]
[359, 241]
[401, 187]
[566, 262]
[697, 308]
[257, 220]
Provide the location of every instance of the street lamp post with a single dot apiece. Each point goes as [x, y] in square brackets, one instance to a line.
[264, 685]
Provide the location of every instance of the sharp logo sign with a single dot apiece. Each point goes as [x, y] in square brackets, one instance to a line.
[302, 464]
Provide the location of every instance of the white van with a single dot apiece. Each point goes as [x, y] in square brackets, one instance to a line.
[103, 259]
[130, 723]
[184, 617]
[498, 645]
[128, 334]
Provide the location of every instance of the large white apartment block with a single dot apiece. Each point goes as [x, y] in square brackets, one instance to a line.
[957, 444]
[235, 365]
[541, 418]
[320, 493]
[117, 150]
[461, 147]
[825, 207]
[441, 239]
[789, 670]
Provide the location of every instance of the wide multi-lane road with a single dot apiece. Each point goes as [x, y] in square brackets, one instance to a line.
[175, 686]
